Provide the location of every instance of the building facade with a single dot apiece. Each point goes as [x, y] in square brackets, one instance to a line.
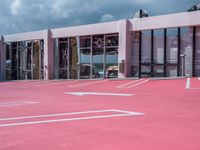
[159, 46]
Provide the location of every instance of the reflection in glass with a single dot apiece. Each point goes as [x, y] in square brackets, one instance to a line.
[73, 68]
[112, 62]
[186, 48]
[146, 46]
[85, 63]
[85, 42]
[112, 40]
[158, 53]
[8, 62]
[158, 49]
[36, 62]
[24, 60]
[197, 52]
[172, 52]
[145, 71]
[172, 45]
[135, 54]
[98, 56]
[63, 58]
[14, 60]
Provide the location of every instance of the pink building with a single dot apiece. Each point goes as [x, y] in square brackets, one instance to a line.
[159, 46]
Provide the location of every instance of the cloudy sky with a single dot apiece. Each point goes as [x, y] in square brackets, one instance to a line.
[29, 15]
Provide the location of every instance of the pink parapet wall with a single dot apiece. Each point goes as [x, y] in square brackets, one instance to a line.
[184, 19]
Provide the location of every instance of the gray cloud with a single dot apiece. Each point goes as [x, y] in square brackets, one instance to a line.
[29, 15]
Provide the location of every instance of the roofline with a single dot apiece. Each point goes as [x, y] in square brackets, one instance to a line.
[136, 24]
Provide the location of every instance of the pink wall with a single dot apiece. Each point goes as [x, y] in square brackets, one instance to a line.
[166, 21]
[92, 29]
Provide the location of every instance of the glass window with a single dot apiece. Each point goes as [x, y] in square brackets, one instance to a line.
[111, 56]
[158, 53]
[158, 49]
[8, 61]
[112, 40]
[172, 45]
[14, 60]
[85, 63]
[146, 46]
[36, 59]
[197, 54]
[135, 54]
[172, 52]
[73, 57]
[98, 56]
[85, 42]
[63, 58]
[186, 48]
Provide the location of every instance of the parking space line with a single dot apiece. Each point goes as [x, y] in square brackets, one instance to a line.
[87, 83]
[98, 93]
[122, 114]
[123, 85]
[139, 83]
[53, 83]
[64, 120]
[54, 115]
[128, 112]
[5, 104]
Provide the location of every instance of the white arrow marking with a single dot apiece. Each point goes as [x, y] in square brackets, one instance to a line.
[97, 93]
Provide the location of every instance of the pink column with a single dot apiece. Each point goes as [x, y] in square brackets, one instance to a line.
[125, 47]
[48, 56]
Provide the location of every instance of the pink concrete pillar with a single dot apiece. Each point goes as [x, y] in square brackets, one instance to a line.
[48, 56]
[125, 37]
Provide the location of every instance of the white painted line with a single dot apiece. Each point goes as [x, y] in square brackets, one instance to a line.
[194, 88]
[73, 119]
[64, 120]
[16, 103]
[87, 83]
[199, 79]
[97, 93]
[123, 85]
[55, 115]
[188, 83]
[27, 83]
[53, 83]
[128, 112]
[139, 83]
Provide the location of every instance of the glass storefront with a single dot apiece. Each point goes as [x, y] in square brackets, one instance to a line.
[24, 60]
[166, 52]
[197, 52]
[86, 57]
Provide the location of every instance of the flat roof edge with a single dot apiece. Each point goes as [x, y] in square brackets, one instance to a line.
[182, 19]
